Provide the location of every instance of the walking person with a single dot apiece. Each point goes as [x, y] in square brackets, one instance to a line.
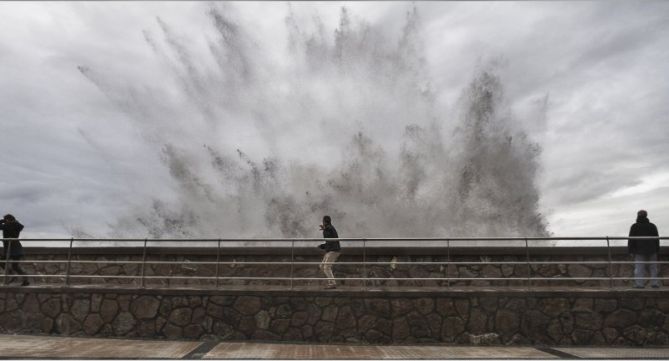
[11, 228]
[644, 250]
[332, 251]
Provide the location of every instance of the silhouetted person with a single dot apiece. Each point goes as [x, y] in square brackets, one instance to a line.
[644, 250]
[331, 249]
[11, 228]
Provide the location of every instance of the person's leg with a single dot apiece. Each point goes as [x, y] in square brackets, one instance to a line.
[639, 270]
[654, 267]
[18, 270]
[328, 260]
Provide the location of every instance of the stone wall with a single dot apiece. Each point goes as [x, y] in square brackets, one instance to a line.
[386, 263]
[506, 317]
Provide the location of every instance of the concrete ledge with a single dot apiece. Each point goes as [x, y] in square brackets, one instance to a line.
[357, 292]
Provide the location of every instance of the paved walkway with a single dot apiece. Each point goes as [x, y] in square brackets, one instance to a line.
[46, 347]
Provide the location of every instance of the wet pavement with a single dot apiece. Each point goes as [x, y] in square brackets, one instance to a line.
[55, 347]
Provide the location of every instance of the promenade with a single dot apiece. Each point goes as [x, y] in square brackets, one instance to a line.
[54, 347]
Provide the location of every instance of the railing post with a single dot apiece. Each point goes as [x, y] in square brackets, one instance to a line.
[69, 262]
[143, 264]
[608, 248]
[529, 268]
[7, 253]
[218, 261]
[448, 263]
[292, 261]
[364, 263]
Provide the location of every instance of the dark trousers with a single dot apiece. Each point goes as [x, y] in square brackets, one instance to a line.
[15, 266]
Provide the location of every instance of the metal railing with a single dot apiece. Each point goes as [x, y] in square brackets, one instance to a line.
[365, 265]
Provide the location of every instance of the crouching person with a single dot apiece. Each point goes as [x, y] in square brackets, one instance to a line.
[332, 251]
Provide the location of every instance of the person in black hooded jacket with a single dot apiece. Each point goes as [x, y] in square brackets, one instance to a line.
[644, 250]
[332, 251]
[11, 228]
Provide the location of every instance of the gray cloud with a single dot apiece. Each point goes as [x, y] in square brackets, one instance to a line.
[75, 157]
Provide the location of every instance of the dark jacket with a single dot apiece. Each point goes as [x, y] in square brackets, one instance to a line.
[12, 230]
[643, 227]
[330, 232]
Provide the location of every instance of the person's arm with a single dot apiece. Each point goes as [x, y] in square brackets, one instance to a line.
[631, 243]
[19, 225]
[657, 241]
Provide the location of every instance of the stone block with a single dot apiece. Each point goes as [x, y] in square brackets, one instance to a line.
[534, 323]
[96, 302]
[400, 329]
[293, 334]
[193, 331]
[446, 307]
[507, 322]
[620, 319]
[123, 323]
[345, 318]
[80, 309]
[554, 306]
[485, 339]
[124, 302]
[329, 313]
[424, 305]
[146, 328]
[401, 306]
[145, 307]
[324, 331]
[462, 305]
[587, 320]
[172, 332]
[477, 321]
[247, 305]
[651, 318]
[262, 320]
[378, 306]
[265, 335]
[247, 325]
[299, 318]
[52, 307]
[181, 316]
[631, 303]
[636, 334]
[583, 304]
[284, 311]
[108, 310]
[67, 325]
[279, 326]
[451, 328]
[605, 305]
[92, 324]
[582, 337]
[222, 300]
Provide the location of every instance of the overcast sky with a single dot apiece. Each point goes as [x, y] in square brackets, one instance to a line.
[70, 160]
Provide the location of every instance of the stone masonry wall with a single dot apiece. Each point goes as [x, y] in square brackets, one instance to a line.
[580, 318]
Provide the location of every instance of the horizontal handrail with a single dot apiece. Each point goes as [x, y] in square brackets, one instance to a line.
[358, 239]
[364, 265]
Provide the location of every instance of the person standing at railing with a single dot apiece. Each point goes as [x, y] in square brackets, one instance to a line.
[11, 228]
[644, 250]
[332, 250]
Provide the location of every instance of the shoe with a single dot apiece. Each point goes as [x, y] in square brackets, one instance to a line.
[330, 287]
[638, 286]
[655, 286]
[25, 283]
